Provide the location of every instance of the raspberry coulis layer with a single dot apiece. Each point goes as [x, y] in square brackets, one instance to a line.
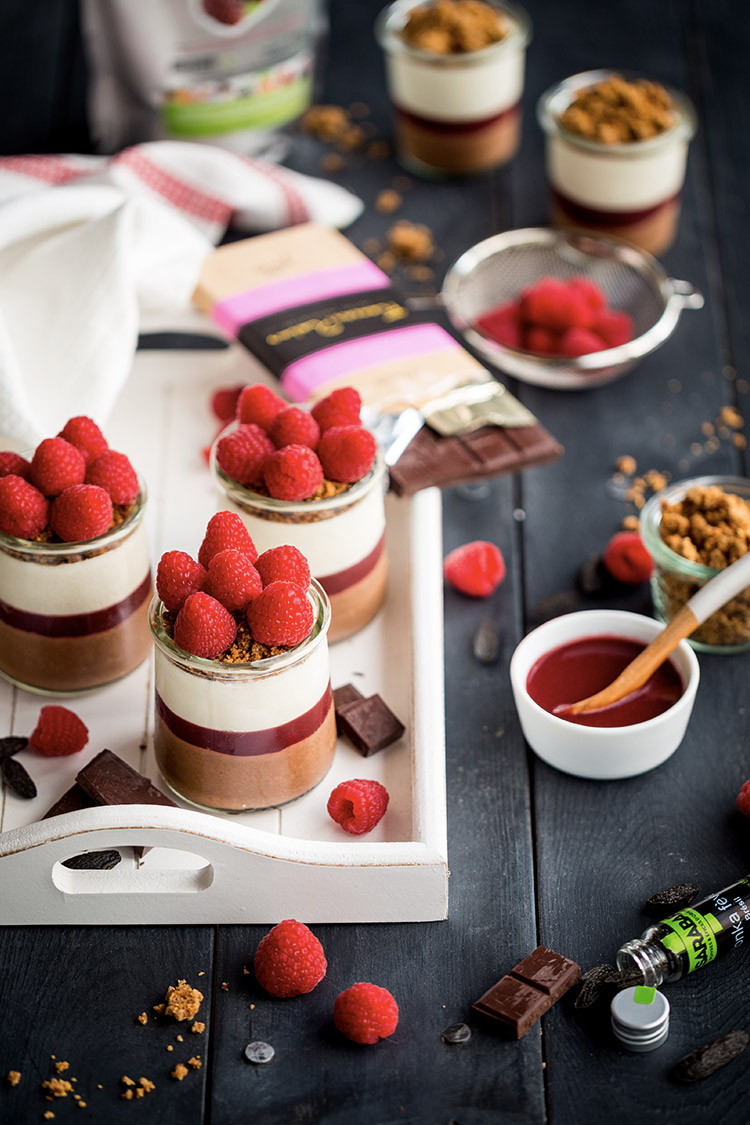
[77, 624]
[593, 216]
[343, 579]
[454, 127]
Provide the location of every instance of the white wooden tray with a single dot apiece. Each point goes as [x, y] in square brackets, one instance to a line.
[248, 867]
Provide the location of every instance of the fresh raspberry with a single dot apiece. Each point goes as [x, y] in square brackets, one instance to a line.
[549, 304]
[177, 577]
[503, 324]
[290, 960]
[475, 569]
[614, 327]
[204, 627]
[284, 564]
[113, 471]
[347, 453]
[56, 465]
[23, 510]
[281, 615]
[589, 291]
[365, 1013]
[233, 580]
[224, 402]
[58, 732]
[14, 463]
[226, 531]
[242, 453]
[743, 799]
[228, 12]
[294, 427]
[627, 559]
[85, 435]
[259, 404]
[340, 408]
[580, 341]
[293, 473]
[83, 511]
[540, 341]
[358, 805]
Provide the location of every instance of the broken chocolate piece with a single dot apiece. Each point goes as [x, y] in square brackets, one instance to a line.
[72, 800]
[93, 861]
[17, 778]
[369, 724]
[530, 989]
[110, 781]
[342, 697]
[11, 744]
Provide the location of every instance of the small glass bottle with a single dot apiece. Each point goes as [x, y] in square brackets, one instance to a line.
[692, 937]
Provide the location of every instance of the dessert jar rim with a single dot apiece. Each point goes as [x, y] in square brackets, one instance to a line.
[650, 519]
[11, 545]
[388, 37]
[554, 100]
[258, 669]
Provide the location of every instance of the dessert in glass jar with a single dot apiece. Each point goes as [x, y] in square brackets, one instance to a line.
[244, 713]
[315, 480]
[75, 578]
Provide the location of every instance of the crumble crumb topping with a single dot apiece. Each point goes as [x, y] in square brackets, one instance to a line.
[182, 1001]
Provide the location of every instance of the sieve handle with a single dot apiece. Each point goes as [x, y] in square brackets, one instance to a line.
[686, 294]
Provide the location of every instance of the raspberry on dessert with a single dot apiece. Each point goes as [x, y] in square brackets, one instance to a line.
[626, 558]
[259, 404]
[293, 473]
[226, 531]
[178, 576]
[58, 732]
[294, 427]
[224, 402]
[475, 569]
[347, 453]
[340, 408]
[85, 435]
[284, 564]
[743, 799]
[614, 327]
[241, 454]
[503, 324]
[233, 580]
[204, 627]
[580, 341]
[114, 472]
[15, 464]
[23, 510]
[289, 960]
[358, 805]
[365, 1013]
[56, 465]
[228, 12]
[83, 511]
[280, 615]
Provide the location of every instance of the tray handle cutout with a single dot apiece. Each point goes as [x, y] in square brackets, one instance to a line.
[190, 875]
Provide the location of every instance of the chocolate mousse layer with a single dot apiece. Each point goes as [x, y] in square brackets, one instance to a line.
[653, 229]
[458, 148]
[354, 604]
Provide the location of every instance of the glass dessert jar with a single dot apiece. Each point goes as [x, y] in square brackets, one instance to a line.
[232, 737]
[675, 579]
[342, 536]
[73, 616]
[455, 113]
[630, 190]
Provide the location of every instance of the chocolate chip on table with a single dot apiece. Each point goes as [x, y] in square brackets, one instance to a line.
[710, 1057]
[259, 1052]
[11, 744]
[486, 643]
[456, 1033]
[674, 898]
[17, 778]
[93, 861]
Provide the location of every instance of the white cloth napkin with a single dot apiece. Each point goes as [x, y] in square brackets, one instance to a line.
[90, 246]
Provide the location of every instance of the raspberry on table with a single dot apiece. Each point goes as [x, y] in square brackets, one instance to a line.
[226, 531]
[224, 402]
[241, 454]
[113, 471]
[58, 732]
[365, 1013]
[340, 408]
[743, 799]
[347, 453]
[358, 805]
[280, 615]
[204, 627]
[259, 404]
[290, 960]
[233, 580]
[284, 564]
[83, 511]
[293, 473]
[14, 464]
[626, 558]
[293, 426]
[56, 465]
[178, 576]
[23, 510]
[475, 569]
[85, 435]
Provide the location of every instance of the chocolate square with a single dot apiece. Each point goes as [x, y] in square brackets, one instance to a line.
[369, 724]
[110, 781]
[513, 1003]
[72, 800]
[548, 971]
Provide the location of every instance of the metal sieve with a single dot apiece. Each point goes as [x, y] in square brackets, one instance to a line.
[495, 271]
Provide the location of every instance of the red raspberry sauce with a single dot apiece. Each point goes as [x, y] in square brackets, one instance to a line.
[582, 667]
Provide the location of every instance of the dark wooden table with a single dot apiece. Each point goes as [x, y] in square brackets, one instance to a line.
[535, 856]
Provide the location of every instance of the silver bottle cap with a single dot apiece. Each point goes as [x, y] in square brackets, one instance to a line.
[640, 1018]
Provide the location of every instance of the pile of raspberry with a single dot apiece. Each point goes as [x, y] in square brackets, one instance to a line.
[289, 453]
[558, 318]
[232, 604]
[73, 489]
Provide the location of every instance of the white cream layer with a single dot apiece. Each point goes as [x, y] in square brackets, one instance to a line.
[612, 181]
[457, 88]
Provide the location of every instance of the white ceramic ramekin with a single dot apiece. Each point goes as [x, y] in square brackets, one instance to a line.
[601, 753]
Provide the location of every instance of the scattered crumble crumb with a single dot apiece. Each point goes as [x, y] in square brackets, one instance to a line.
[332, 162]
[48, 1115]
[252, 1007]
[245, 971]
[195, 1062]
[182, 1001]
[731, 417]
[13, 1077]
[201, 973]
[198, 1027]
[81, 1104]
[386, 261]
[378, 150]
[58, 1087]
[62, 1066]
[630, 523]
[142, 1018]
[387, 201]
[739, 441]
[139, 1093]
[159, 1009]
[372, 246]
[178, 1039]
[147, 1084]
[127, 1095]
[224, 986]
[169, 1047]
[99, 1086]
[179, 1072]
[127, 1081]
[411, 242]
[626, 464]
[420, 273]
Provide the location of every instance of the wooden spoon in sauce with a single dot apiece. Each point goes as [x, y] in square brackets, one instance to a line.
[706, 601]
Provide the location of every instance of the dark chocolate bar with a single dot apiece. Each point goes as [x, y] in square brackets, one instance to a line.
[72, 800]
[369, 724]
[110, 781]
[529, 990]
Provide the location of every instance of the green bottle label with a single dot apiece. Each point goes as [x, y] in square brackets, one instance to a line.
[693, 934]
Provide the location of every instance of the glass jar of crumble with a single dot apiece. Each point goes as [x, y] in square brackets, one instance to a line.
[342, 536]
[232, 737]
[74, 616]
[708, 518]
